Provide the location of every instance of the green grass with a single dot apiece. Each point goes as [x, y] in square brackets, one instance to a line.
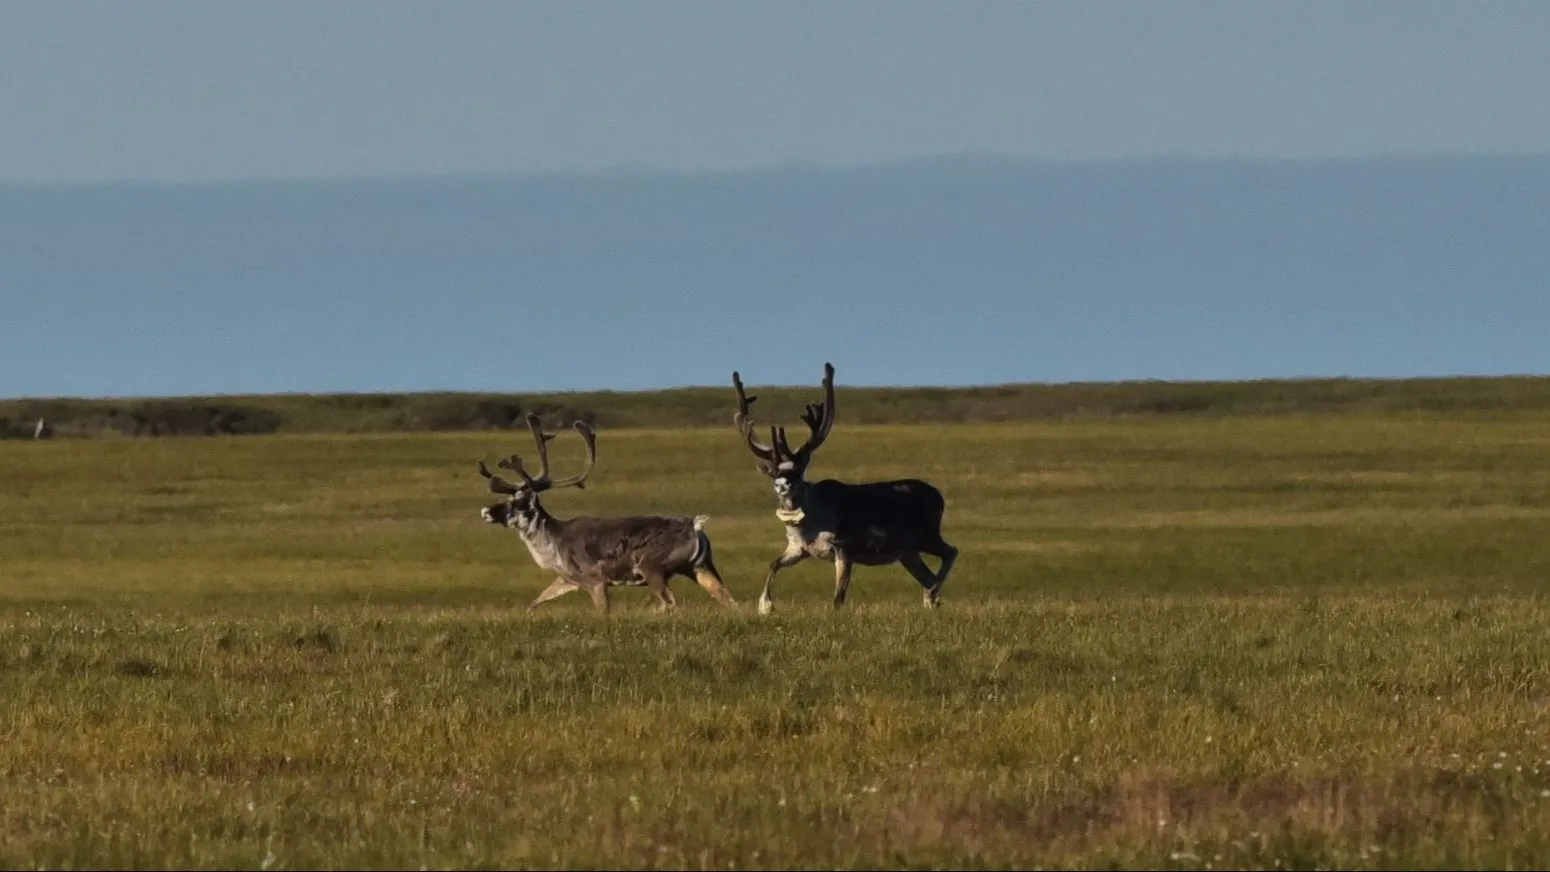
[1294, 641]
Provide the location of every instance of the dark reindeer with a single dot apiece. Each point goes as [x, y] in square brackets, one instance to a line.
[873, 524]
[597, 553]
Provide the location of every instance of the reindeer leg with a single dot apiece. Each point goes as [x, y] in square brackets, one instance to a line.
[842, 566]
[923, 575]
[599, 592]
[657, 581]
[948, 555]
[794, 555]
[704, 572]
[710, 580]
[557, 588]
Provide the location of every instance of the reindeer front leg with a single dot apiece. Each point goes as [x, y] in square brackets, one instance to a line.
[558, 588]
[842, 565]
[794, 554]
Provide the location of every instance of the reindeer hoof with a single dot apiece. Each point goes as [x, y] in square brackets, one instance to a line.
[766, 606]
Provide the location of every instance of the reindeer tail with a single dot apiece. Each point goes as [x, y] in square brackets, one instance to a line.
[700, 521]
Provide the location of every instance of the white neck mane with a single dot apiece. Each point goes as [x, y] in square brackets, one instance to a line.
[536, 530]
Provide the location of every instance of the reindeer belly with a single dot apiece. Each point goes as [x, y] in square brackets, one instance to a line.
[614, 573]
[872, 548]
[876, 558]
[875, 546]
[622, 572]
[864, 552]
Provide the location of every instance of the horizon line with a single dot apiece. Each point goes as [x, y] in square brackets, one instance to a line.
[762, 386]
[810, 165]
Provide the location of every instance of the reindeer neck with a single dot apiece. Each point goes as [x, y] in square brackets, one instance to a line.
[535, 521]
[794, 516]
[539, 530]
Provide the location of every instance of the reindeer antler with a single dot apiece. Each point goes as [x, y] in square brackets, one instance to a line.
[819, 420]
[588, 436]
[542, 481]
[542, 440]
[513, 462]
[499, 485]
[744, 422]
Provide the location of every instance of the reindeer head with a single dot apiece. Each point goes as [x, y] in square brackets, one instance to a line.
[787, 468]
[522, 495]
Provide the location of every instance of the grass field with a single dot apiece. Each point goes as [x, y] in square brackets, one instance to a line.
[1271, 642]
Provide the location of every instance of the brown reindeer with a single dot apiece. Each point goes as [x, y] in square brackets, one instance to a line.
[597, 553]
[872, 524]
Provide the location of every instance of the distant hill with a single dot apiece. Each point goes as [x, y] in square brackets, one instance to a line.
[713, 407]
[956, 271]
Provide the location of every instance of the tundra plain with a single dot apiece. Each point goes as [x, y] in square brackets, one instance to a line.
[1300, 640]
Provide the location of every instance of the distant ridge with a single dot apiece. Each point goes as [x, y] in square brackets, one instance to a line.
[236, 415]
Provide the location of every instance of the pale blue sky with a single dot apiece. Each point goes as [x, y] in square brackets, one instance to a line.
[306, 88]
[926, 271]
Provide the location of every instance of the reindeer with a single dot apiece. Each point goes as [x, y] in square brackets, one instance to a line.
[597, 553]
[872, 524]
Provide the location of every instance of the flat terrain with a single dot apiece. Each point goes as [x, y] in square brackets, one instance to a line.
[1289, 641]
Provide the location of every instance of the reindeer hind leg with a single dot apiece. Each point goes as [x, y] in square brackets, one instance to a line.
[657, 581]
[710, 581]
[928, 581]
[703, 570]
[948, 555]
